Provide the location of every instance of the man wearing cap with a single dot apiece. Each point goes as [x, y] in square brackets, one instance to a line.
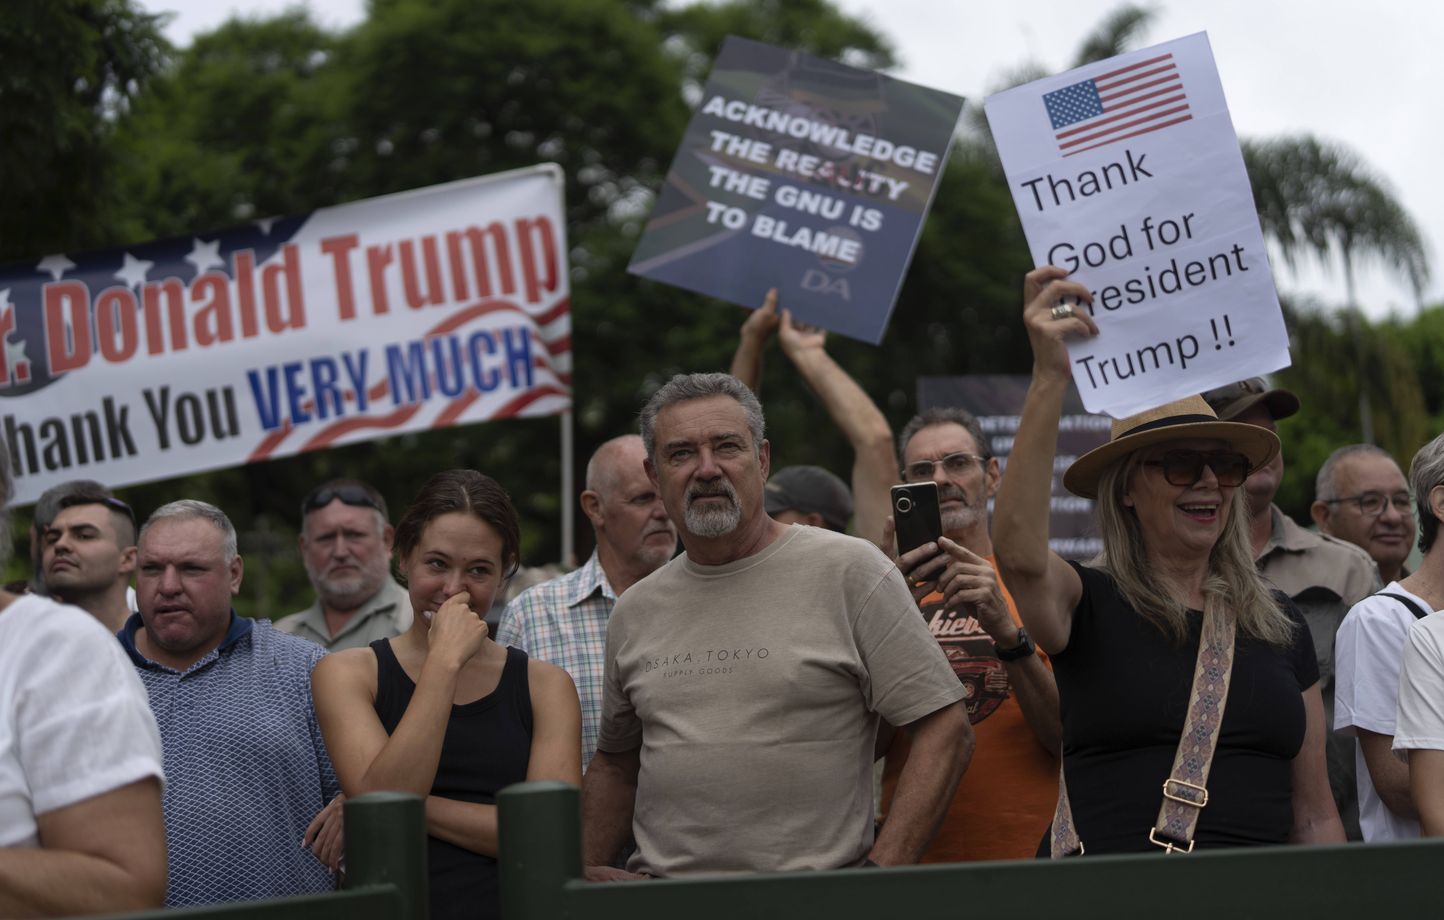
[1324, 576]
[88, 555]
[1360, 496]
[346, 549]
[564, 621]
[808, 495]
[1007, 796]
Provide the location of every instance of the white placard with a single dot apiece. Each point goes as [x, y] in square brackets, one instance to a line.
[1127, 172]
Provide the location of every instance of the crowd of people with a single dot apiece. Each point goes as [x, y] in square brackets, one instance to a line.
[781, 694]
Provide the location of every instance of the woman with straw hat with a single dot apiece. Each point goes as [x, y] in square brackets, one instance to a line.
[1189, 690]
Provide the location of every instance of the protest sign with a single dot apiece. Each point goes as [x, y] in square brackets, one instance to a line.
[1127, 173]
[996, 401]
[435, 307]
[801, 174]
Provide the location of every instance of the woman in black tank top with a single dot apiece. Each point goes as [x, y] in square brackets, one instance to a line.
[1188, 693]
[442, 711]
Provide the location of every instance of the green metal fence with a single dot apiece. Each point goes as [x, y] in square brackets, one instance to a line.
[385, 872]
[541, 869]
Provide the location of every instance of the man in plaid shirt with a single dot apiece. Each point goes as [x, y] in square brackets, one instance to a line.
[564, 621]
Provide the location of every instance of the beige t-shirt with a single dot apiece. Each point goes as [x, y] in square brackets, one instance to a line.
[754, 689]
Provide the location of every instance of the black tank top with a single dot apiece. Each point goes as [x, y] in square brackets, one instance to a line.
[486, 748]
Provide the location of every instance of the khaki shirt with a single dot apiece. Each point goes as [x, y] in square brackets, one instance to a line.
[1325, 577]
[386, 614]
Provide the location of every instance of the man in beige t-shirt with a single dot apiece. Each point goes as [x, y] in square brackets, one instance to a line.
[745, 679]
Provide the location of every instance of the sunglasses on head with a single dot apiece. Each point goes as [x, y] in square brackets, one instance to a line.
[348, 495]
[1185, 467]
[114, 504]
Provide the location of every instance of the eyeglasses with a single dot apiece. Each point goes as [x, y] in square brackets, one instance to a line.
[1373, 503]
[1184, 467]
[953, 465]
[348, 494]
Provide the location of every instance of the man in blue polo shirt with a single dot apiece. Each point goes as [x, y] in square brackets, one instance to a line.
[247, 774]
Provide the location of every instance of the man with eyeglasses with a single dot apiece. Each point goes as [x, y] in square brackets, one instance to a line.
[1323, 575]
[346, 549]
[1007, 796]
[1371, 647]
[88, 555]
[1361, 497]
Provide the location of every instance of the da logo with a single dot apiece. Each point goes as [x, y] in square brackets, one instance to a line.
[821, 282]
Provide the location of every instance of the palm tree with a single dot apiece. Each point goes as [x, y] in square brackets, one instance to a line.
[1320, 198]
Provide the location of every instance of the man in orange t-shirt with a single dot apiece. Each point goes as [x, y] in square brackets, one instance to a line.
[1006, 798]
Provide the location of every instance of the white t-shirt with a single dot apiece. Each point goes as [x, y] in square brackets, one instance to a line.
[1420, 722]
[74, 718]
[1367, 651]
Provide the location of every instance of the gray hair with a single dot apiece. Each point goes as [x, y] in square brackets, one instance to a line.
[944, 415]
[191, 508]
[685, 387]
[1425, 472]
[1324, 486]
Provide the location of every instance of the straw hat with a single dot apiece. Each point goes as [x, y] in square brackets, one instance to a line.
[1187, 418]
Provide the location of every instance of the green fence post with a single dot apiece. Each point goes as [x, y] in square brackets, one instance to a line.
[541, 849]
[386, 844]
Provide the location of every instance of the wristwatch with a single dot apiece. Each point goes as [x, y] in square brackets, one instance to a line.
[1023, 649]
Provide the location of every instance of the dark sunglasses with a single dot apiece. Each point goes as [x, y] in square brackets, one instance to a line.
[349, 495]
[114, 504]
[1185, 467]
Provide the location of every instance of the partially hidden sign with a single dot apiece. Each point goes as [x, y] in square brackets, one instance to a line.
[802, 174]
[1127, 172]
[436, 307]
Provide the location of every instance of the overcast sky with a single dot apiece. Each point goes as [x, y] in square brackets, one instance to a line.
[1344, 71]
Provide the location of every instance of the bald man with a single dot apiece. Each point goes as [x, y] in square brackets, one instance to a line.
[564, 621]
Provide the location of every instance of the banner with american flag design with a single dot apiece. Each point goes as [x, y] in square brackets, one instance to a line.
[1127, 174]
[441, 306]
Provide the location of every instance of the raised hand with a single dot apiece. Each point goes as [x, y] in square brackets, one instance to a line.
[762, 322]
[796, 338]
[1054, 309]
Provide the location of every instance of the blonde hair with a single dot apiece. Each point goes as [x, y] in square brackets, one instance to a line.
[1233, 580]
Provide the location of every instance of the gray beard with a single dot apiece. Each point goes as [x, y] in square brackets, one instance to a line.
[356, 589]
[710, 522]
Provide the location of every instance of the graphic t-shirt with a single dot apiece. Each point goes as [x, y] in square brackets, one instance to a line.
[754, 690]
[1007, 796]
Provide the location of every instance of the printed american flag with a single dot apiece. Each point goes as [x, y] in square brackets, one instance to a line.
[1137, 99]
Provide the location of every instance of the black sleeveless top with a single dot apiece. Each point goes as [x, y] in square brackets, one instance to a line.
[1124, 686]
[486, 748]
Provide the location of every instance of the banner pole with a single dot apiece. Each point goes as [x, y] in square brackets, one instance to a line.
[569, 524]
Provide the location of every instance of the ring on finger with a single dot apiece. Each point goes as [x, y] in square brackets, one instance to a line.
[1061, 311]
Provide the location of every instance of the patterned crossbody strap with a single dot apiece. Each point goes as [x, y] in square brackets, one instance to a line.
[1185, 792]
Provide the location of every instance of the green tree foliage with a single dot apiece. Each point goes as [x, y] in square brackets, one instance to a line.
[70, 67]
[1337, 355]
